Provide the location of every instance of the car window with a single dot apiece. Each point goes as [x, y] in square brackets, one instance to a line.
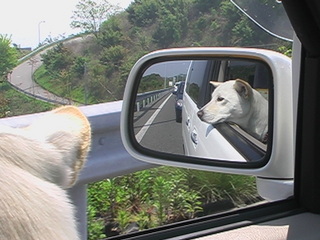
[256, 74]
[195, 76]
[239, 69]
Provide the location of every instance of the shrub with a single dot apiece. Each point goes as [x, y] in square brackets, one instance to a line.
[163, 195]
[113, 55]
[57, 59]
[110, 33]
[172, 22]
[142, 13]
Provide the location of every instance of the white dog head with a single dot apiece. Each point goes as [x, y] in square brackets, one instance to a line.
[230, 102]
[235, 101]
[36, 164]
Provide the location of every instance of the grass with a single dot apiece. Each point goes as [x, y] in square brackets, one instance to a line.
[14, 103]
[47, 82]
[59, 87]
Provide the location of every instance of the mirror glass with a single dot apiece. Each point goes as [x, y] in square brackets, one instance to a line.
[213, 108]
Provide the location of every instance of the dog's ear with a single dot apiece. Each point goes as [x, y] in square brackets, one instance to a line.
[215, 83]
[68, 130]
[243, 88]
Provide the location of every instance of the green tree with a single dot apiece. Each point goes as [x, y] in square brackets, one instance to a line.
[173, 19]
[228, 16]
[151, 82]
[57, 59]
[90, 14]
[142, 12]
[243, 33]
[110, 33]
[79, 67]
[206, 5]
[113, 55]
[8, 55]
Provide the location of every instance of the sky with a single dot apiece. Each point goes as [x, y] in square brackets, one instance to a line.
[21, 20]
[169, 69]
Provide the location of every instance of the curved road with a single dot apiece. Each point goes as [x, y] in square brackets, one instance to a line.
[21, 78]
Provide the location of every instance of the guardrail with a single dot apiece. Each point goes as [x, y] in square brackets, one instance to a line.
[107, 158]
[144, 99]
[43, 47]
[45, 99]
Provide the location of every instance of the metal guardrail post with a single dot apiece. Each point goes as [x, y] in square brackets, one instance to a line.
[107, 158]
[144, 99]
[78, 194]
[138, 107]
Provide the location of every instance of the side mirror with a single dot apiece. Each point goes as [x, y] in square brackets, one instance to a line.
[232, 111]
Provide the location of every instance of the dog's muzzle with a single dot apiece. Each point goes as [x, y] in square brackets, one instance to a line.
[200, 114]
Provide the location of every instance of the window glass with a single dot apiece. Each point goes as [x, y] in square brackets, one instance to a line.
[237, 69]
[164, 195]
[195, 77]
[256, 74]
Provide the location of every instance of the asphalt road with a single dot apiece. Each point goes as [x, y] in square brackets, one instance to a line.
[156, 127]
[21, 78]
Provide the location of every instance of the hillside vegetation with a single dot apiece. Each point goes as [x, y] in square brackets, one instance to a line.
[96, 69]
[14, 103]
[160, 196]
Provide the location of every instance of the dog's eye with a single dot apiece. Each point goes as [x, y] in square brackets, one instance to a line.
[219, 99]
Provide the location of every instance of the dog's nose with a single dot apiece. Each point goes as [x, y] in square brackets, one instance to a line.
[200, 114]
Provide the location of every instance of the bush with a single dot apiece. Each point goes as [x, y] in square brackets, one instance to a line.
[142, 13]
[172, 22]
[163, 195]
[113, 55]
[14, 103]
[110, 33]
[206, 5]
[78, 67]
[57, 59]
[243, 33]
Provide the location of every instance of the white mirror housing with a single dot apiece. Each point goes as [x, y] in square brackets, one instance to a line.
[279, 165]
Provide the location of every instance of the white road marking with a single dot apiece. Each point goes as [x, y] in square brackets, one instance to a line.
[145, 128]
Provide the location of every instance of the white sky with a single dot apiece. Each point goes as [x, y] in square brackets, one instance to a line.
[20, 19]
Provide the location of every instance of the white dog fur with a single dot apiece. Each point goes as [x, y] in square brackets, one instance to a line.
[235, 101]
[37, 164]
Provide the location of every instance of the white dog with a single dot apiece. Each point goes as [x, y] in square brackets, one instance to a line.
[36, 164]
[235, 101]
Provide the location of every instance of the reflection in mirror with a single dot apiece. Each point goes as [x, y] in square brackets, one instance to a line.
[212, 108]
